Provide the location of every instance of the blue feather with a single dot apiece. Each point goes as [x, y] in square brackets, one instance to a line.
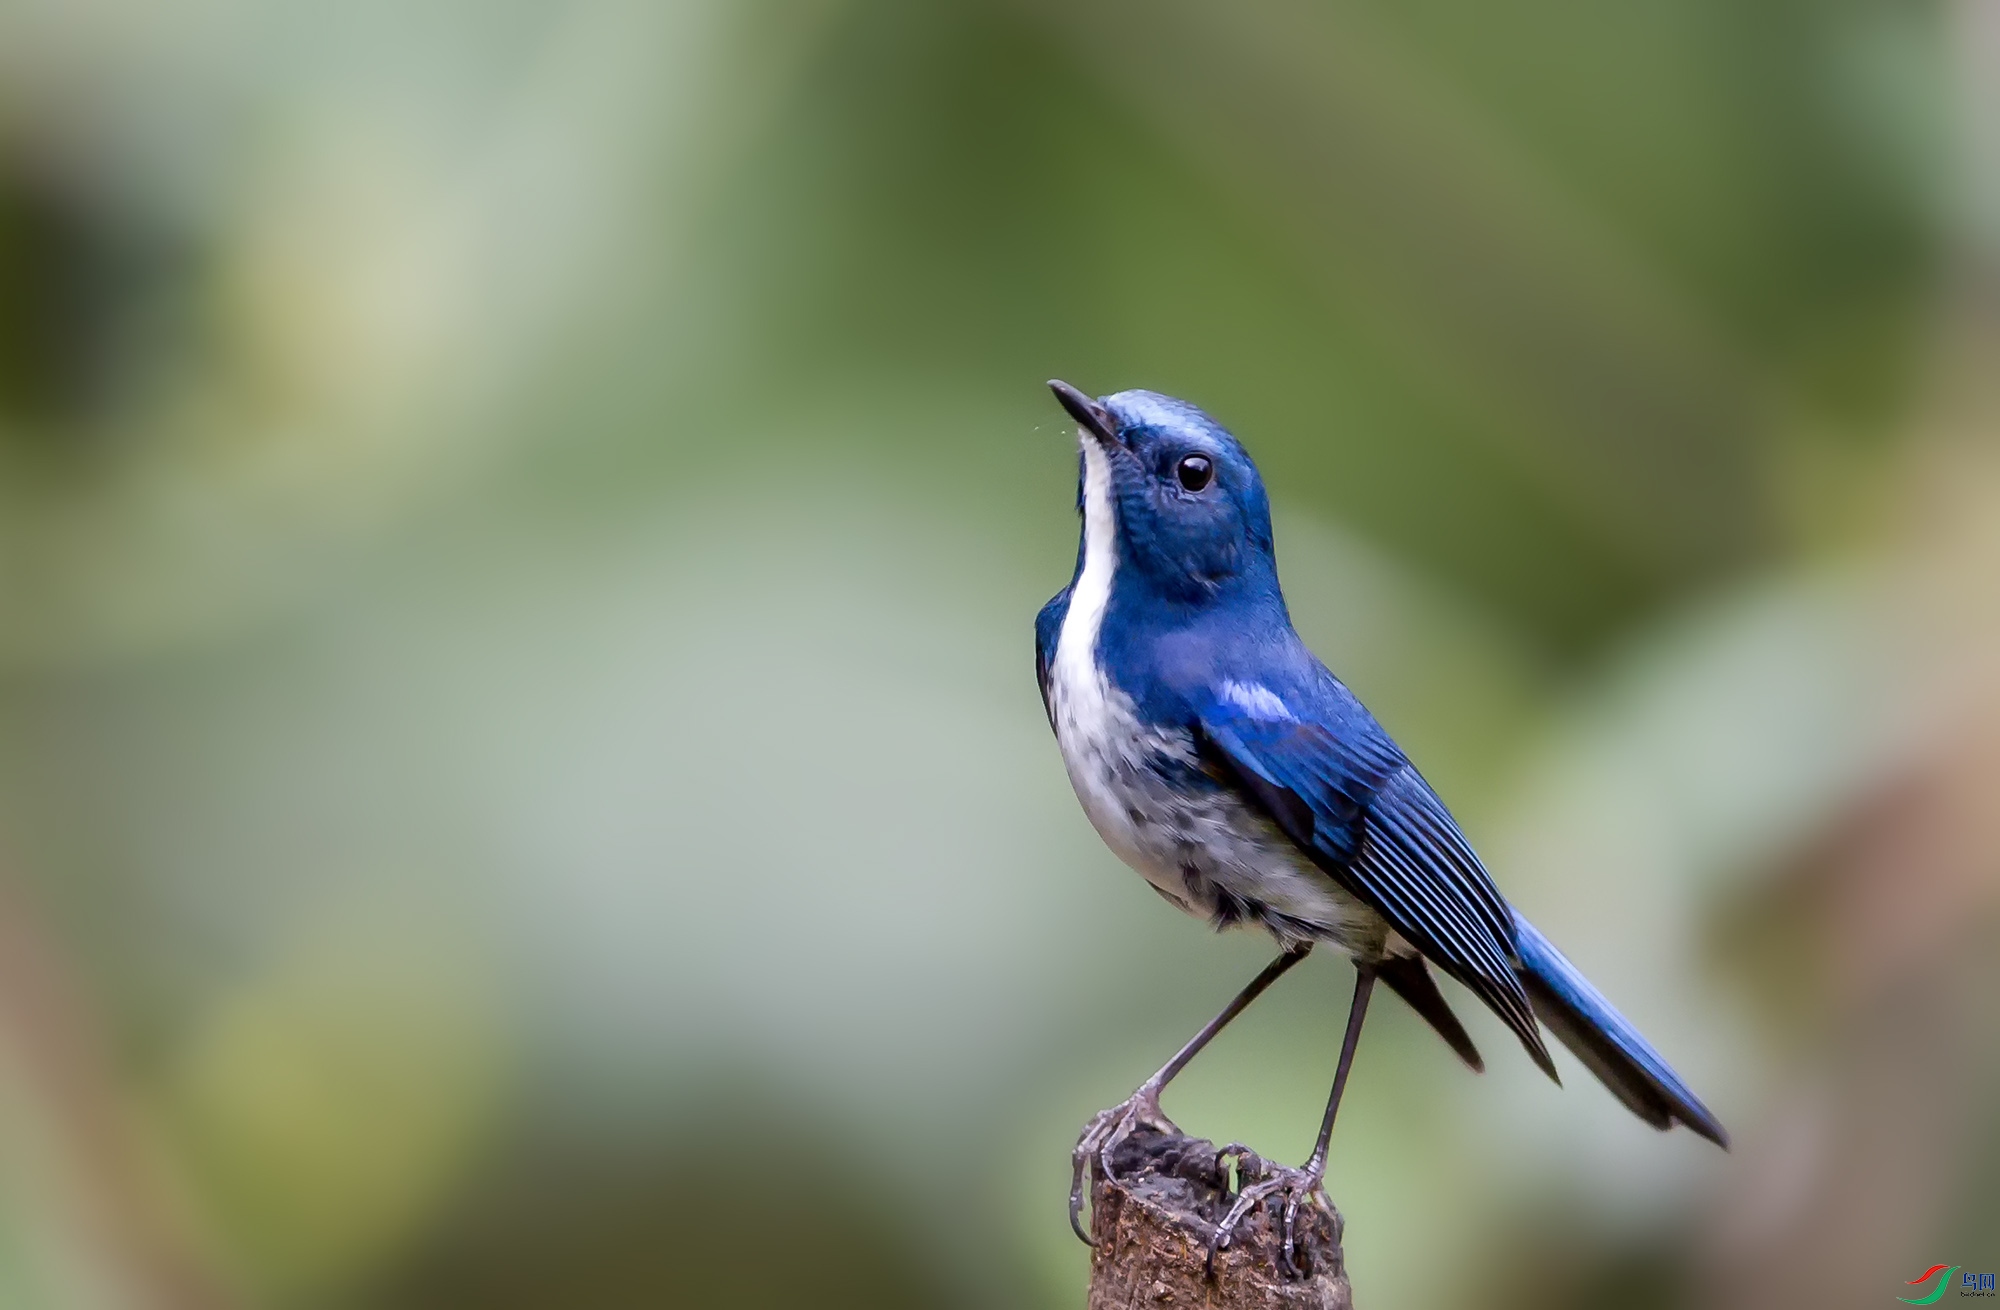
[1604, 1040]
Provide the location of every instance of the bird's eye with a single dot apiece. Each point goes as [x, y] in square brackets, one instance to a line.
[1195, 471]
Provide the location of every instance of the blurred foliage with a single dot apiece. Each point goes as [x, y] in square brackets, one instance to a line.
[327, 1108]
[679, 1223]
[518, 526]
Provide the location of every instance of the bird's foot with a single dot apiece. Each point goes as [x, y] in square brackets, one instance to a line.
[1296, 1187]
[1107, 1129]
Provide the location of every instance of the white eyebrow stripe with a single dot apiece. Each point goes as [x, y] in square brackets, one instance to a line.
[1256, 700]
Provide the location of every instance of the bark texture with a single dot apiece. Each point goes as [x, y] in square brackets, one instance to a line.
[1152, 1225]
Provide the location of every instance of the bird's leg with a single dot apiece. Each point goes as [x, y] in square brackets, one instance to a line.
[1302, 1186]
[1110, 1127]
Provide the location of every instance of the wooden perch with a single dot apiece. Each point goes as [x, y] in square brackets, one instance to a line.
[1152, 1227]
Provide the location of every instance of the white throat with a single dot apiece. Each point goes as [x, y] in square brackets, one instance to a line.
[1102, 742]
[1076, 671]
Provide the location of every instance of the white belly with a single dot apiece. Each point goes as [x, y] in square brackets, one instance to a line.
[1202, 846]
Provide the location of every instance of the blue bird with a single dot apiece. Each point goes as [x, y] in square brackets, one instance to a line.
[1221, 760]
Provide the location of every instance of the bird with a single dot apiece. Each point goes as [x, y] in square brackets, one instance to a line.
[1221, 760]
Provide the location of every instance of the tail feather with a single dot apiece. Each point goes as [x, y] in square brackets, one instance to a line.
[1605, 1041]
[1409, 979]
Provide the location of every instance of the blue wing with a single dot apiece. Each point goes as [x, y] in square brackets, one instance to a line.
[1338, 786]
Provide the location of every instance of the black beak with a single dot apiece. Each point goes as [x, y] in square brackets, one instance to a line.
[1094, 418]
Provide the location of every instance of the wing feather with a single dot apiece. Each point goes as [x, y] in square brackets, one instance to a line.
[1361, 811]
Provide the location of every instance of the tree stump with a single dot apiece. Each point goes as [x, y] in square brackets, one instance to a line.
[1152, 1226]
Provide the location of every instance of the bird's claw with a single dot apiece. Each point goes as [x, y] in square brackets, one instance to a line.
[1297, 1186]
[1107, 1129]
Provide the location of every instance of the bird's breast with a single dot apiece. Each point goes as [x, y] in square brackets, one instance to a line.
[1115, 762]
[1194, 838]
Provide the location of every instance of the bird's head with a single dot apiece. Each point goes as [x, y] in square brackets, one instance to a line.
[1186, 506]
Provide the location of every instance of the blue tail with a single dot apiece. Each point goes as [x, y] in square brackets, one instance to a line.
[1602, 1038]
